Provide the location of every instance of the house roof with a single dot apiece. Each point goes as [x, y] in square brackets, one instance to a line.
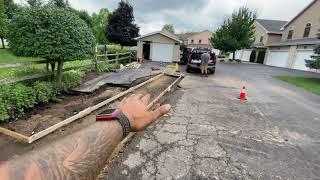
[272, 26]
[183, 37]
[307, 41]
[164, 33]
[294, 18]
[200, 33]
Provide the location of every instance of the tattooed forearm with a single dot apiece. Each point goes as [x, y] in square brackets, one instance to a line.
[78, 156]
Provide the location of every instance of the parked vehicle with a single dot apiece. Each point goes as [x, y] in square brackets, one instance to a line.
[185, 55]
[194, 61]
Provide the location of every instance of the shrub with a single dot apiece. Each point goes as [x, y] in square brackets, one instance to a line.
[44, 91]
[106, 67]
[17, 98]
[50, 32]
[72, 78]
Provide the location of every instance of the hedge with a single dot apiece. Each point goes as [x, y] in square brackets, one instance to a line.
[16, 99]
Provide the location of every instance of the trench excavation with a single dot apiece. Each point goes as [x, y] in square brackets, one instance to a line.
[72, 105]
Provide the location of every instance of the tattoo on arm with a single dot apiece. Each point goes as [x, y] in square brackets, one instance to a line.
[78, 156]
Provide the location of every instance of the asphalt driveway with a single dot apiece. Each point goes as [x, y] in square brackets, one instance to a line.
[212, 135]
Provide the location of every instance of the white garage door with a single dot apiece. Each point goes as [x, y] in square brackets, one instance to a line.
[278, 58]
[246, 55]
[238, 54]
[301, 56]
[162, 52]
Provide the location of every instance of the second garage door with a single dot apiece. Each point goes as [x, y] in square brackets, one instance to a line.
[162, 52]
[278, 58]
[301, 56]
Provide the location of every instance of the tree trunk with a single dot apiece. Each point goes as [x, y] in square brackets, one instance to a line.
[60, 66]
[53, 67]
[3, 47]
[234, 55]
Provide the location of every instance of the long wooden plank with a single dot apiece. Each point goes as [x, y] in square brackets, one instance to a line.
[113, 60]
[105, 55]
[87, 111]
[130, 136]
[15, 135]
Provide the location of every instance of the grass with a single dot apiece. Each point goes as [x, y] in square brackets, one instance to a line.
[36, 68]
[6, 57]
[309, 84]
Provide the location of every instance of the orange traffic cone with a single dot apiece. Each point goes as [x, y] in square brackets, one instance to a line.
[243, 95]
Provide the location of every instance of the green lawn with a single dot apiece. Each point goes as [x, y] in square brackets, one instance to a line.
[309, 84]
[6, 57]
[37, 68]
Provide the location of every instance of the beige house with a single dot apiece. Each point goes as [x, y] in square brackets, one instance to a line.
[266, 32]
[201, 40]
[159, 46]
[298, 39]
[183, 38]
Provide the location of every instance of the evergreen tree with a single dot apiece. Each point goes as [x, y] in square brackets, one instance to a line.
[315, 62]
[121, 29]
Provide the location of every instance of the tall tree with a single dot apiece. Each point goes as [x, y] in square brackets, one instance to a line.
[60, 3]
[122, 29]
[84, 16]
[53, 33]
[11, 8]
[168, 27]
[236, 32]
[100, 23]
[3, 23]
[315, 62]
[34, 3]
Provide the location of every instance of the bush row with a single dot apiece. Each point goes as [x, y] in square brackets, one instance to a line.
[15, 99]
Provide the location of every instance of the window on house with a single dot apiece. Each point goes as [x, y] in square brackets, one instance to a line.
[261, 39]
[200, 41]
[307, 30]
[192, 41]
[290, 34]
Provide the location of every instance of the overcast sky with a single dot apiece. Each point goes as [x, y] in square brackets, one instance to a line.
[194, 15]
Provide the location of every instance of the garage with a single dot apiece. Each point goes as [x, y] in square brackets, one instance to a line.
[160, 46]
[162, 52]
[278, 58]
[301, 56]
[246, 55]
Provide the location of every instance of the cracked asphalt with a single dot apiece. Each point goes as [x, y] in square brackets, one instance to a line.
[210, 134]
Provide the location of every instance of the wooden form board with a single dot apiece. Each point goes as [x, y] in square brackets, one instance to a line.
[81, 114]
